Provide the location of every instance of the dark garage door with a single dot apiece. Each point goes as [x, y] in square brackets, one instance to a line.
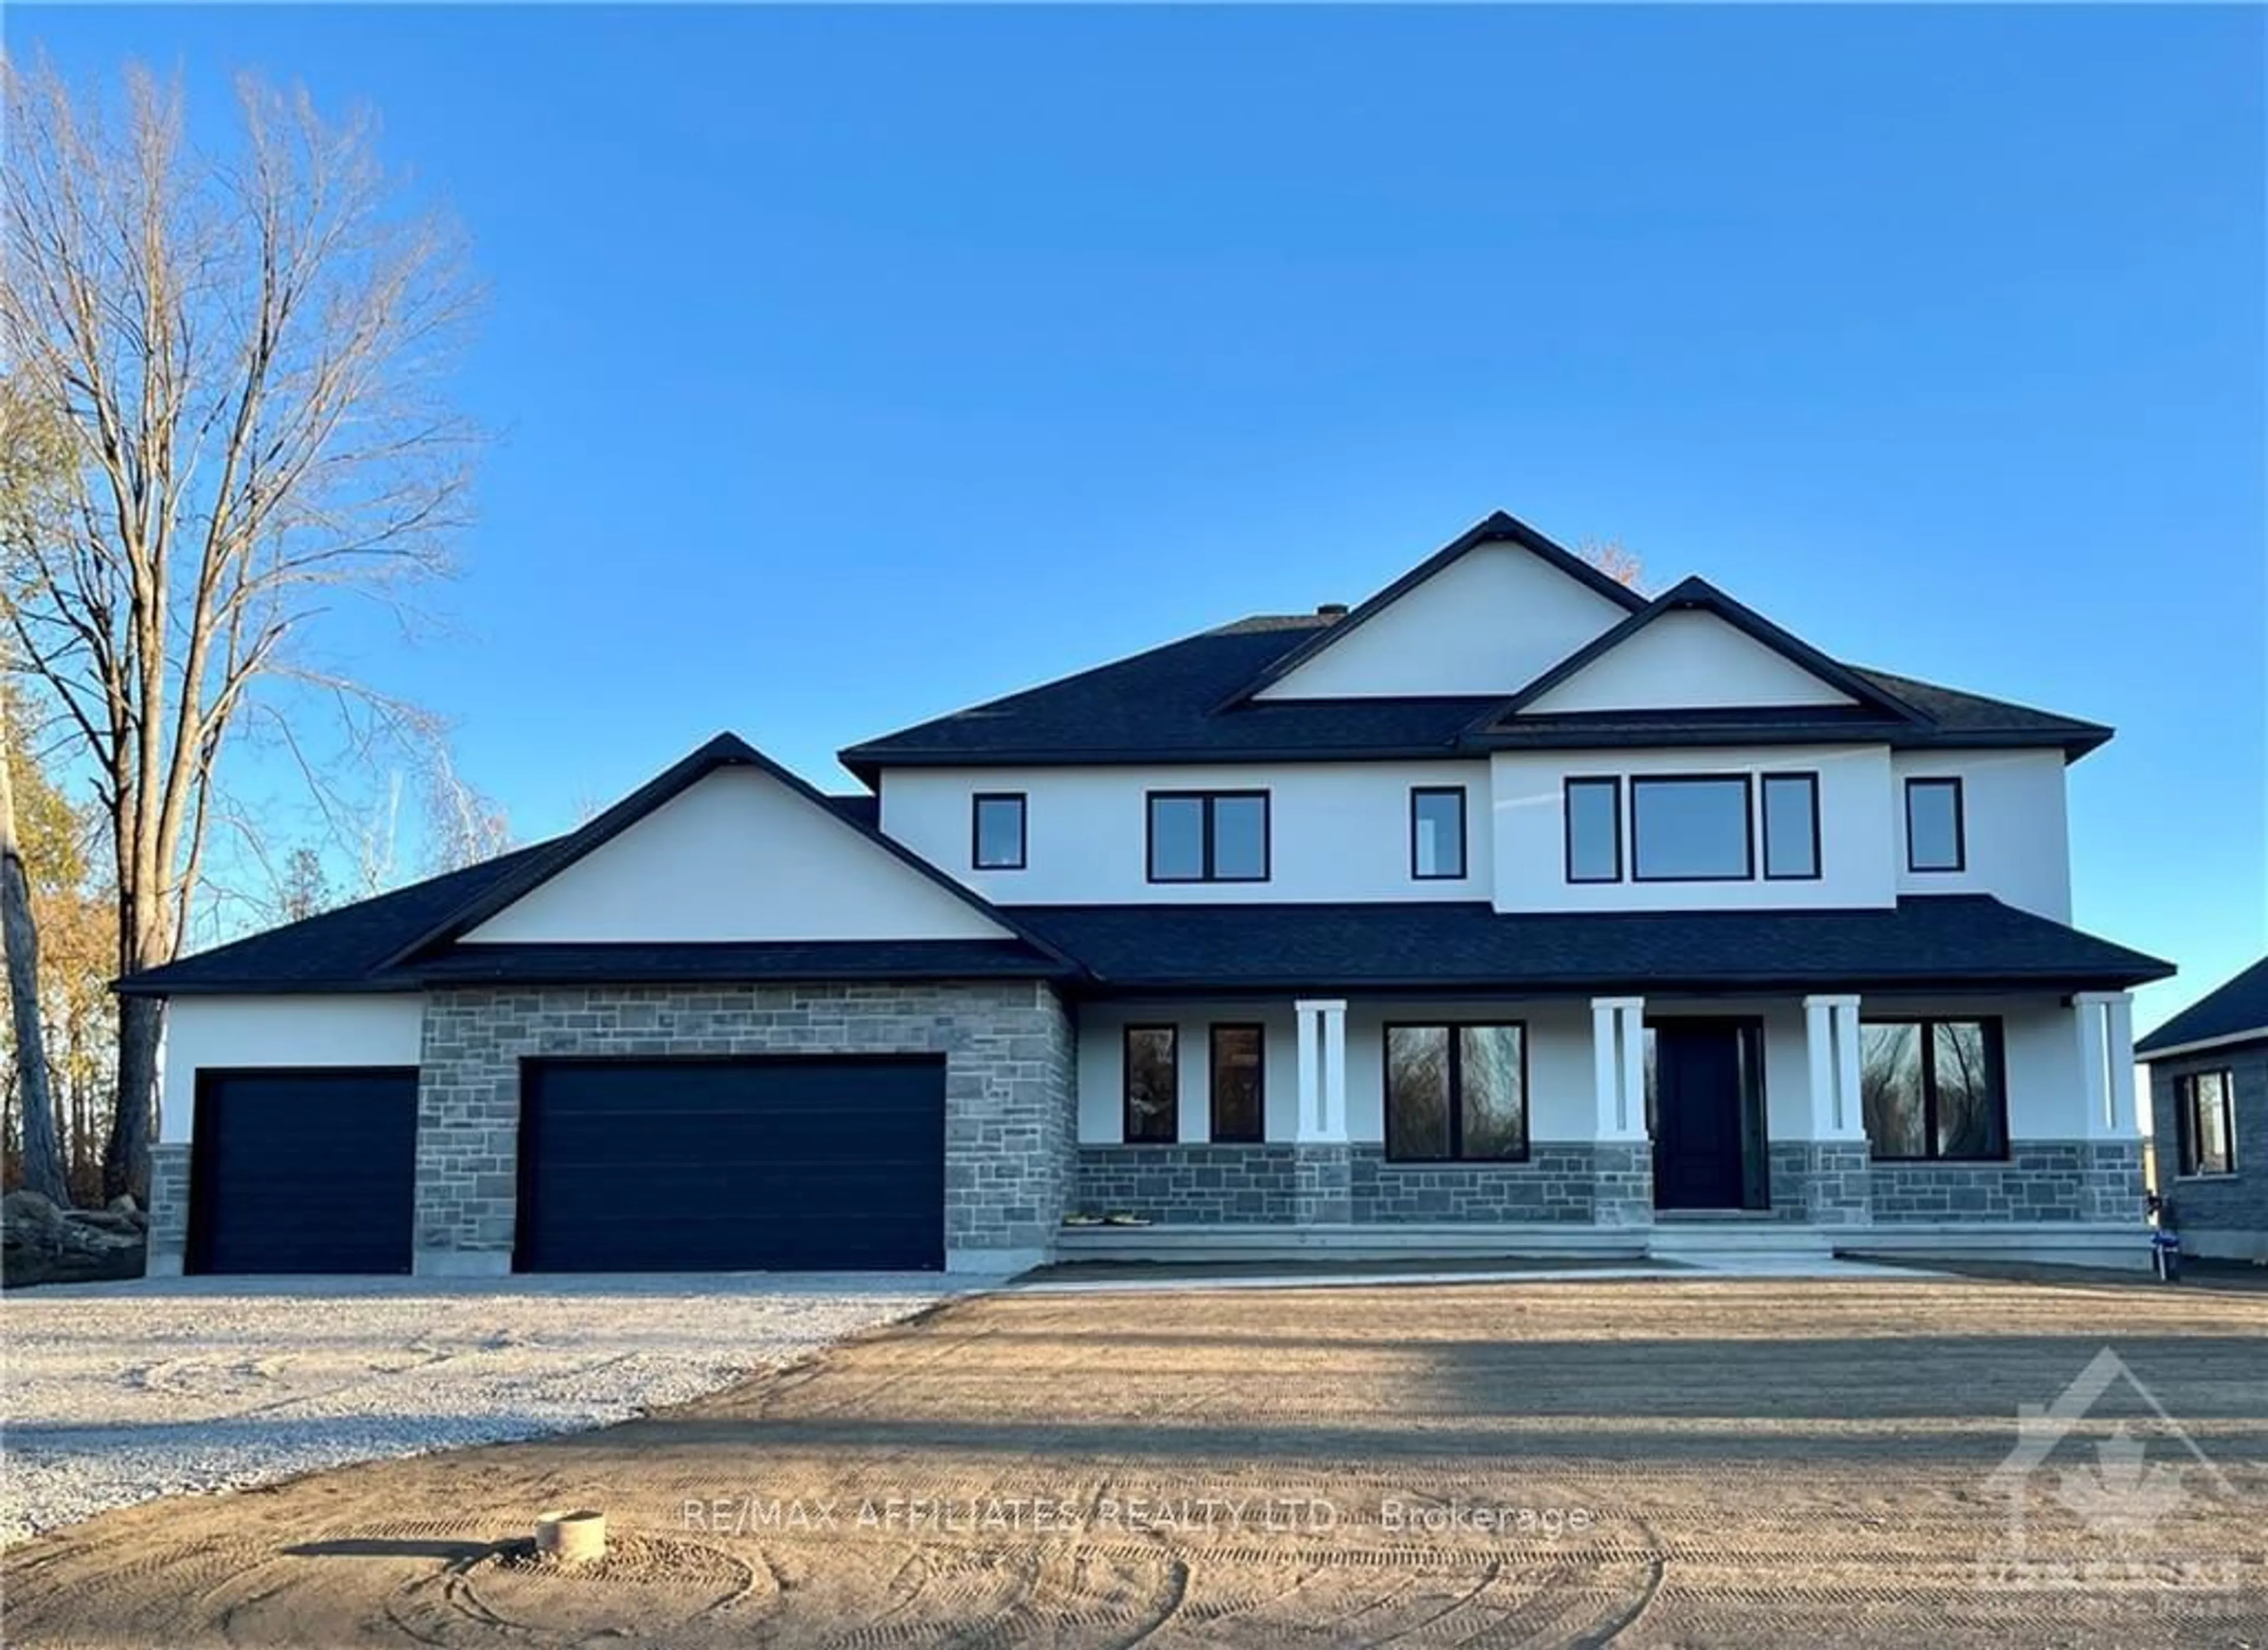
[303, 1171]
[732, 1165]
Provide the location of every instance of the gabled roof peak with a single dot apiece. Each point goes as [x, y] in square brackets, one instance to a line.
[1694, 594]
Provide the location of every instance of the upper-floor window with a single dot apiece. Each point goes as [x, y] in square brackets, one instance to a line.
[995, 831]
[1935, 838]
[1238, 1083]
[1457, 1092]
[2205, 1117]
[1208, 837]
[1691, 828]
[1154, 1087]
[1934, 1088]
[1594, 830]
[1437, 833]
[1790, 810]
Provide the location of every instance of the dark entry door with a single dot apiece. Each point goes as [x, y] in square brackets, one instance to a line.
[1708, 1090]
[737, 1165]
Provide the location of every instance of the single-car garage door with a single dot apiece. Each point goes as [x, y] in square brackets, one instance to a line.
[303, 1171]
[767, 1164]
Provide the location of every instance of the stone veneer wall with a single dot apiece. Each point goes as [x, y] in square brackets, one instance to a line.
[1203, 1184]
[1820, 1182]
[169, 1209]
[1556, 1182]
[1009, 1112]
[2041, 1180]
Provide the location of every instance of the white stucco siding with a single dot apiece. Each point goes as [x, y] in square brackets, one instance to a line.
[1102, 1063]
[1337, 830]
[1687, 661]
[739, 857]
[226, 1033]
[1856, 833]
[1489, 622]
[2015, 829]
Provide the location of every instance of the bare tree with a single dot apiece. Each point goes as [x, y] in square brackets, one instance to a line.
[247, 349]
[1615, 560]
[43, 1163]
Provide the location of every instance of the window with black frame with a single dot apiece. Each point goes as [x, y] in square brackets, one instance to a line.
[2205, 1117]
[1934, 1089]
[1240, 1097]
[1153, 1090]
[1456, 1092]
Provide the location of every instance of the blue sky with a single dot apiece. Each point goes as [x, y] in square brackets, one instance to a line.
[848, 365]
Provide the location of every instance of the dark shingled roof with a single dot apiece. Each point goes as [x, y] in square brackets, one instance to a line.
[1936, 941]
[2237, 1008]
[1166, 705]
[768, 959]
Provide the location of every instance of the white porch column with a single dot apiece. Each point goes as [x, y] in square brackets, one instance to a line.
[1322, 1069]
[1618, 1067]
[1830, 1038]
[2106, 1063]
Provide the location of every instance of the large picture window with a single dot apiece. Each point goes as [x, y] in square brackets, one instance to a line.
[1154, 1084]
[1208, 837]
[1934, 1088]
[1456, 1092]
[1239, 1098]
[2205, 1115]
[1691, 828]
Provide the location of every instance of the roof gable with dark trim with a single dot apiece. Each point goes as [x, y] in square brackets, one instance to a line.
[1698, 595]
[1496, 528]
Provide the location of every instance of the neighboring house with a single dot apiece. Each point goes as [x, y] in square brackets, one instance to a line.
[1509, 912]
[2209, 1112]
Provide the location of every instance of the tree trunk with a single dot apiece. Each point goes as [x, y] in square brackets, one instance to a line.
[126, 1158]
[43, 1168]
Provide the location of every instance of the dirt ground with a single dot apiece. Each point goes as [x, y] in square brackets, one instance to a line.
[1745, 1463]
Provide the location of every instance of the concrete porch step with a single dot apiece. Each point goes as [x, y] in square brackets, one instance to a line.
[1671, 1239]
[1349, 1242]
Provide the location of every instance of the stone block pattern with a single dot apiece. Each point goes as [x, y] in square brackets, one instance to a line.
[1323, 1182]
[1195, 1184]
[1823, 1182]
[1010, 1115]
[2041, 1180]
[1622, 1192]
[1557, 1183]
[2234, 1203]
[169, 1202]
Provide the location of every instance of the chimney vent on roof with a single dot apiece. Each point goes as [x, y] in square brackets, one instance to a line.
[1331, 610]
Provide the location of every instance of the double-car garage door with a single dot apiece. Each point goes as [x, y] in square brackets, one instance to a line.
[759, 1164]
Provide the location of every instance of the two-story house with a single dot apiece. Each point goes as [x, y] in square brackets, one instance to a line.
[1509, 911]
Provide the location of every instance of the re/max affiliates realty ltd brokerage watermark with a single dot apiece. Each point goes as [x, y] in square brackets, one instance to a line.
[1239, 1511]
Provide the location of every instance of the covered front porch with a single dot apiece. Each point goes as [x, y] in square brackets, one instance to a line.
[1617, 1124]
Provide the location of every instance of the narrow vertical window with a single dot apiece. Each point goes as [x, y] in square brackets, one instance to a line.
[2205, 1119]
[1934, 826]
[1153, 1089]
[1791, 827]
[1437, 833]
[1594, 830]
[996, 831]
[1239, 1087]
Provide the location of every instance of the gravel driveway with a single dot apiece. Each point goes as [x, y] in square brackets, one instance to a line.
[116, 1393]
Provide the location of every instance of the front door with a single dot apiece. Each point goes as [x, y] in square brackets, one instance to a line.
[1708, 1099]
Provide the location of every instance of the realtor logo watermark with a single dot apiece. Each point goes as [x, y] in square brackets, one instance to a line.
[1142, 1514]
[2110, 1501]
